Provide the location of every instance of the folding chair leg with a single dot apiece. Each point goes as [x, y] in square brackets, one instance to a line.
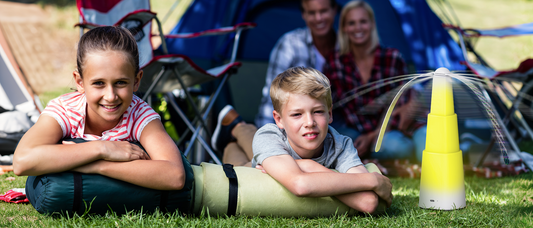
[506, 133]
[493, 139]
[208, 108]
[152, 86]
[206, 146]
[196, 132]
[519, 98]
[189, 99]
[482, 159]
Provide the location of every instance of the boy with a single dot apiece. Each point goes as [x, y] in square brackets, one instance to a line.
[299, 150]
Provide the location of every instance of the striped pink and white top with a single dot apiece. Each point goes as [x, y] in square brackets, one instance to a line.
[70, 110]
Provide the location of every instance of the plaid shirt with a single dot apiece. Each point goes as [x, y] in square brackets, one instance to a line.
[294, 48]
[366, 111]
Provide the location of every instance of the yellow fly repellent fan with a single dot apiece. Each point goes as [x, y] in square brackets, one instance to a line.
[442, 178]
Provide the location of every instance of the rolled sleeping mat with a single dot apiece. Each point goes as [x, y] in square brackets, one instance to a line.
[228, 190]
[73, 192]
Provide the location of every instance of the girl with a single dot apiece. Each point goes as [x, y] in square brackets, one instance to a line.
[105, 112]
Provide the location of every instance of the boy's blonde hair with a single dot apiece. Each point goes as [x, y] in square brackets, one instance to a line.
[300, 80]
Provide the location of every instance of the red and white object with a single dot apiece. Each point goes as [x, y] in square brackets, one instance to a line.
[94, 13]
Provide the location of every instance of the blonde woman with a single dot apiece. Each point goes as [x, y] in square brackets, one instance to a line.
[361, 60]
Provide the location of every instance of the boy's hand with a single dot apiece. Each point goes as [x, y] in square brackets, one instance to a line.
[260, 167]
[383, 188]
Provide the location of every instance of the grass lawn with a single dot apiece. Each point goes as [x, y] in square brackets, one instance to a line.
[500, 202]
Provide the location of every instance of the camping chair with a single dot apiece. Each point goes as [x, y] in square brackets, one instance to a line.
[167, 73]
[511, 101]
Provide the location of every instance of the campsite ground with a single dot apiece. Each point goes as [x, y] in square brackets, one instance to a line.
[500, 202]
[44, 41]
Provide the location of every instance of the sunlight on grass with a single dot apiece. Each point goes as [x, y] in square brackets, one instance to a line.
[47, 96]
[483, 197]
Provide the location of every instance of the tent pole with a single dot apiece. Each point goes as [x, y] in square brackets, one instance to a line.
[172, 8]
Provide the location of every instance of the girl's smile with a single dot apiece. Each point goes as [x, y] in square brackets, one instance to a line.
[108, 88]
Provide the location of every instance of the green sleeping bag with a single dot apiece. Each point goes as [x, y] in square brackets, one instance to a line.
[73, 192]
[248, 191]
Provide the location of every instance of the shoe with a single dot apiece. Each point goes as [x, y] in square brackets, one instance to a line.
[227, 119]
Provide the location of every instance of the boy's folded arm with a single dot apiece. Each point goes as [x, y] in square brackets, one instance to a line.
[285, 170]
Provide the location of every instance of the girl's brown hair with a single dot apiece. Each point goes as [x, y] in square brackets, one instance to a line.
[107, 38]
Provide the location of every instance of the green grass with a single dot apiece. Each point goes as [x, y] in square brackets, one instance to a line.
[49, 95]
[501, 202]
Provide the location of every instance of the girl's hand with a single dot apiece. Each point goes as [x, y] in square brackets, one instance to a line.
[119, 151]
[123, 151]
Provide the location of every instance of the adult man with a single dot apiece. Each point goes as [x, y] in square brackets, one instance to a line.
[306, 47]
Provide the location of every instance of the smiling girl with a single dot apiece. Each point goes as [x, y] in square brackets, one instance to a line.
[105, 112]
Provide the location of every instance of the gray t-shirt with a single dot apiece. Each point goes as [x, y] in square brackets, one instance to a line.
[339, 152]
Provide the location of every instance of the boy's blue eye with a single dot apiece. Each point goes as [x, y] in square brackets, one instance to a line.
[122, 82]
[98, 83]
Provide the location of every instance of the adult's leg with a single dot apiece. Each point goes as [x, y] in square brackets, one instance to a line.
[394, 145]
[419, 139]
[240, 153]
[244, 133]
[235, 155]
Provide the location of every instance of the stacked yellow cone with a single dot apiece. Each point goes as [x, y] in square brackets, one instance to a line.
[442, 178]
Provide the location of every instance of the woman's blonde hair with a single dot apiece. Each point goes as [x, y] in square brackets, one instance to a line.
[300, 80]
[344, 42]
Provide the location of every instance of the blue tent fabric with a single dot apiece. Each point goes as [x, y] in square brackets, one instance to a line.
[430, 44]
[407, 25]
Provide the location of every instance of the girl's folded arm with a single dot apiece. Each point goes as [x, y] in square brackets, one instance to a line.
[38, 152]
[164, 171]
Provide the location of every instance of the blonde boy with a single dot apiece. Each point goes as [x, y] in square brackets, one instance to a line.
[301, 148]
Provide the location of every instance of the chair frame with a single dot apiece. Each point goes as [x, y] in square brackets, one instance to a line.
[483, 70]
[169, 63]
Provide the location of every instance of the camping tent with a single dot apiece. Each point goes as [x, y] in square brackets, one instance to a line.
[18, 109]
[407, 25]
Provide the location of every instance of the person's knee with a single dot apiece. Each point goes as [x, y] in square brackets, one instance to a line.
[230, 152]
[395, 145]
[244, 128]
[419, 138]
